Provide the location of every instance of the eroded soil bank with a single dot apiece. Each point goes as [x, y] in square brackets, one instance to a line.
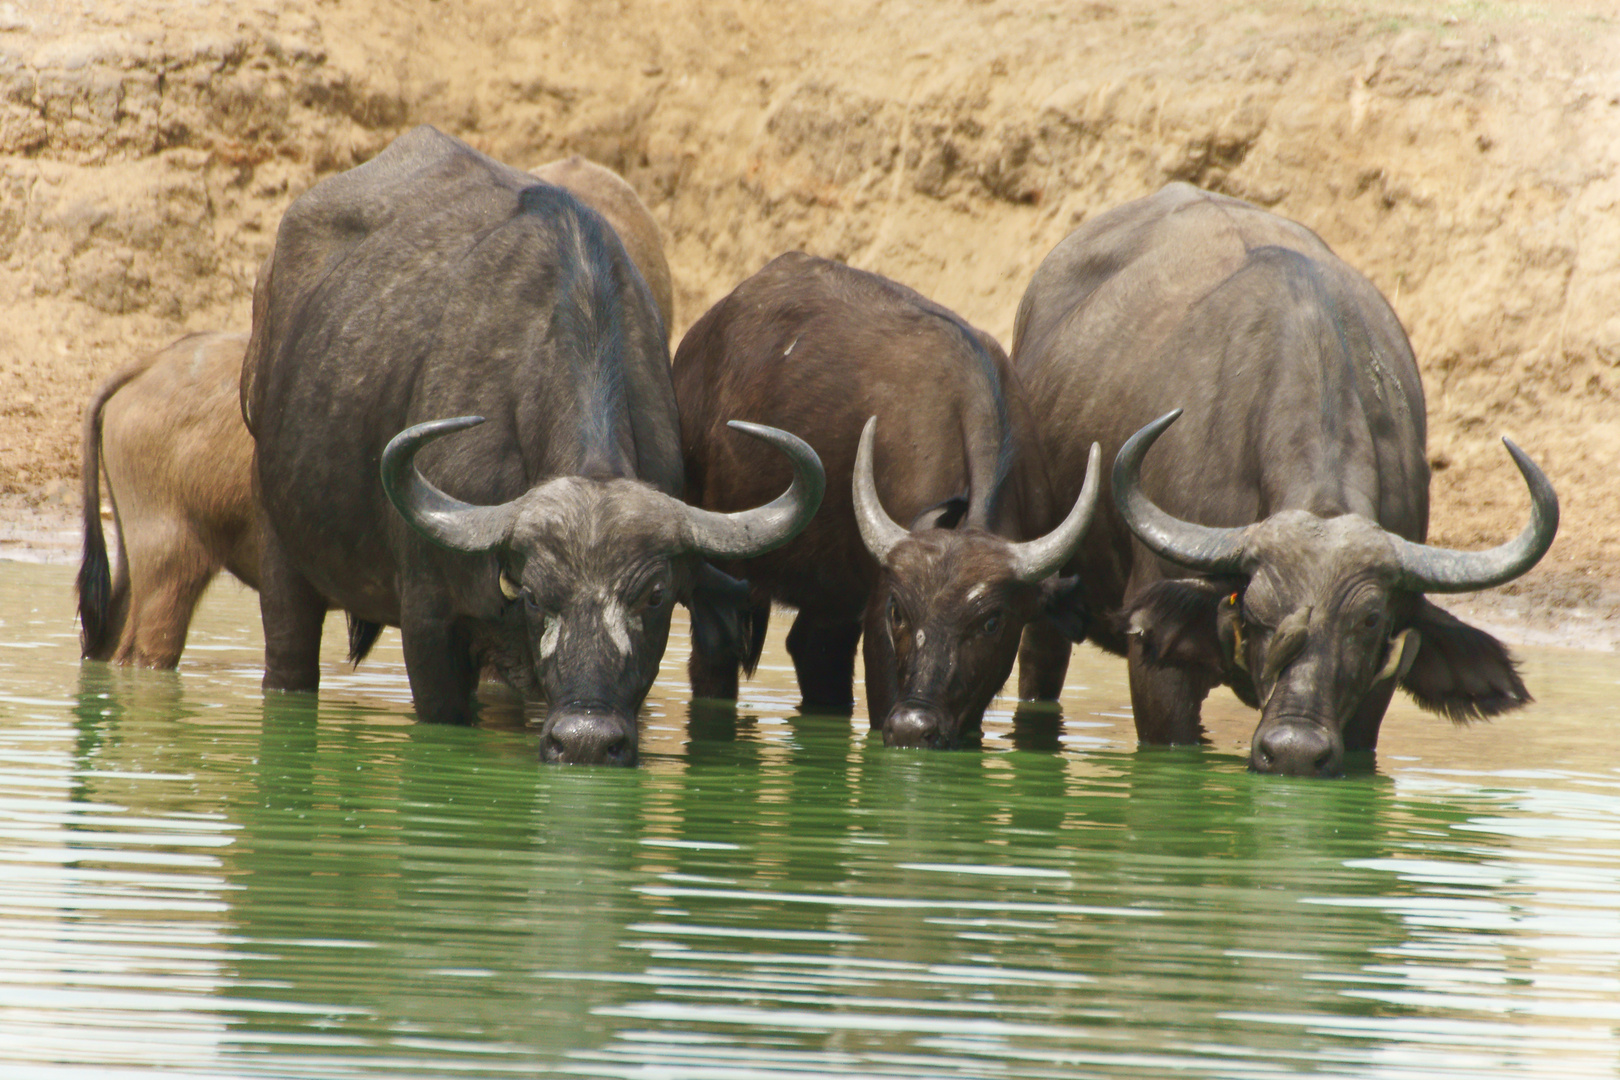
[1463, 155]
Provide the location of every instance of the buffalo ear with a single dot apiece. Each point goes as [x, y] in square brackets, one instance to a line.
[723, 620]
[1063, 604]
[1461, 672]
[947, 514]
[1175, 623]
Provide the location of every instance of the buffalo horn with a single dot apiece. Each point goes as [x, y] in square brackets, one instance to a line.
[1197, 547]
[1035, 560]
[447, 522]
[878, 530]
[1434, 569]
[748, 533]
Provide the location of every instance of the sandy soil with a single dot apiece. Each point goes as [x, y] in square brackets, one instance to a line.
[1463, 155]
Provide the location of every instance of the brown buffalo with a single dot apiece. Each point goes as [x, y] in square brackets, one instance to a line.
[179, 474]
[849, 359]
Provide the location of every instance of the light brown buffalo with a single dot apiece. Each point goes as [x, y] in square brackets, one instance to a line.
[604, 191]
[179, 467]
[179, 464]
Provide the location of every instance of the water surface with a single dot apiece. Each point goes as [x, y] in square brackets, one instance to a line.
[198, 880]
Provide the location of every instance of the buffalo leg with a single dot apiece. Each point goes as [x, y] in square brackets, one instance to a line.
[882, 686]
[293, 613]
[438, 662]
[1043, 661]
[1166, 701]
[824, 659]
[169, 568]
[715, 674]
[1361, 732]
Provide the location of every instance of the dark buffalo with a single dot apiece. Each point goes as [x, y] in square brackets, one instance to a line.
[1295, 486]
[829, 351]
[549, 542]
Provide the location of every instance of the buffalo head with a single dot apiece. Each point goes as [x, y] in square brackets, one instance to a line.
[588, 571]
[1308, 618]
[951, 602]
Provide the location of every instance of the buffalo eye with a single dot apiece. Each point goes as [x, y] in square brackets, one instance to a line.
[655, 596]
[992, 625]
[531, 601]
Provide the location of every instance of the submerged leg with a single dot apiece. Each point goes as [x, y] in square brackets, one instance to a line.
[168, 573]
[1166, 701]
[714, 671]
[293, 613]
[824, 659]
[1043, 661]
[438, 661]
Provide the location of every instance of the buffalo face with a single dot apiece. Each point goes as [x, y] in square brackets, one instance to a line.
[588, 571]
[943, 625]
[1315, 620]
[593, 571]
[947, 615]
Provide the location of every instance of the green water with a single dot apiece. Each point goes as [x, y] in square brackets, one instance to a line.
[199, 881]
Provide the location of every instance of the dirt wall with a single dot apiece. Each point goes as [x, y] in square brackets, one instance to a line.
[1464, 156]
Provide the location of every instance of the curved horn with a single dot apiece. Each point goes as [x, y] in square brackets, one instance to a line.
[1035, 560]
[748, 533]
[447, 522]
[1434, 569]
[878, 530]
[1197, 547]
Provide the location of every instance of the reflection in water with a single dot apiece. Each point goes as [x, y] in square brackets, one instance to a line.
[198, 877]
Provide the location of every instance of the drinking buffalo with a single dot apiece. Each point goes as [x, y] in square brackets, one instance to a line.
[851, 359]
[1294, 488]
[424, 290]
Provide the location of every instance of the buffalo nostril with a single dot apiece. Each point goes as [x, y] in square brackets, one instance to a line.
[912, 727]
[1296, 749]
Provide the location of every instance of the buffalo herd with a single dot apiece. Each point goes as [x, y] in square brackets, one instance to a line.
[457, 413]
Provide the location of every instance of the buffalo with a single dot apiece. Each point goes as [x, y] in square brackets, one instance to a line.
[871, 372]
[168, 431]
[431, 291]
[179, 473]
[1273, 539]
[606, 192]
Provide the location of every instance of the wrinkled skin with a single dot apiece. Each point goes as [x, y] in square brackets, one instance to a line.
[1303, 432]
[819, 348]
